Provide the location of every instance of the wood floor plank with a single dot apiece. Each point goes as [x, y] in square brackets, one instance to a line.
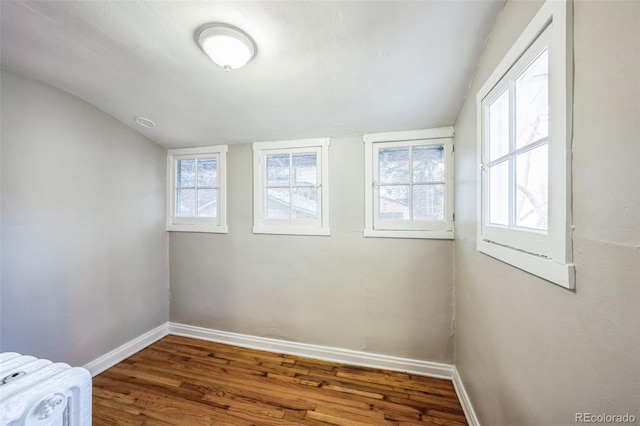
[445, 415]
[352, 391]
[334, 420]
[181, 381]
[365, 416]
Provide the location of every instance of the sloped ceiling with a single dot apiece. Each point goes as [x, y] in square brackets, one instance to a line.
[322, 68]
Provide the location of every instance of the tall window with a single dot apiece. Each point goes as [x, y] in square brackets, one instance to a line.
[516, 116]
[291, 187]
[525, 118]
[197, 190]
[409, 184]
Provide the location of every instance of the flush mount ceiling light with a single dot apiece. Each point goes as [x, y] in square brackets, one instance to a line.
[226, 45]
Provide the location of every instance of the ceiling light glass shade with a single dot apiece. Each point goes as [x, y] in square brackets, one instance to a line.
[227, 46]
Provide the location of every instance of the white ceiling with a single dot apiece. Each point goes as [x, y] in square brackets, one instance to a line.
[322, 68]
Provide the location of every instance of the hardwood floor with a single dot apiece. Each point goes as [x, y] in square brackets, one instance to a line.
[182, 381]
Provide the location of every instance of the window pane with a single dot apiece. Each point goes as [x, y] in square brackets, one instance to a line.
[186, 173]
[278, 203]
[208, 172]
[532, 184]
[499, 194]
[207, 202]
[278, 170]
[186, 202]
[532, 102]
[305, 170]
[428, 202]
[428, 163]
[393, 165]
[499, 126]
[304, 203]
[394, 202]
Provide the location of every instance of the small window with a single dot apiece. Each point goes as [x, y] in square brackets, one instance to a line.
[409, 184]
[291, 187]
[524, 138]
[197, 189]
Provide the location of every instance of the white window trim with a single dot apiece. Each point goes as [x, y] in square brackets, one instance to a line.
[443, 136]
[261, 225]
[214, 225]
[556, 266]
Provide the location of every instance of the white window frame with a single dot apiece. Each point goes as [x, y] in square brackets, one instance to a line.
[547, 255]
[407, 229]
[262, 225]
[216, 224]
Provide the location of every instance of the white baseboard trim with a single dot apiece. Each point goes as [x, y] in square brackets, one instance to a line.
[469, 412]
[344, 356]
[123, 352]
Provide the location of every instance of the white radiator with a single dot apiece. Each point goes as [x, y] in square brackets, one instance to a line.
[37, 392]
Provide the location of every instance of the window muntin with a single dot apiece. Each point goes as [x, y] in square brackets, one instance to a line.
[291, 187]
[516, 147]
[409, 190]
[515, 155]
[409, 184]
[197, 189]
[524, 150]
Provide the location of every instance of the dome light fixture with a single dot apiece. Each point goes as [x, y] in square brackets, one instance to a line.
[226, 45]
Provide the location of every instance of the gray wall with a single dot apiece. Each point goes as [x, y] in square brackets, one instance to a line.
[84, 248]
[530, 352]
[380, 295]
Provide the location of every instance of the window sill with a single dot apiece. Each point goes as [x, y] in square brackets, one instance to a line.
[211, 229]
[429, 235]
[292, 231]
[556, 273]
